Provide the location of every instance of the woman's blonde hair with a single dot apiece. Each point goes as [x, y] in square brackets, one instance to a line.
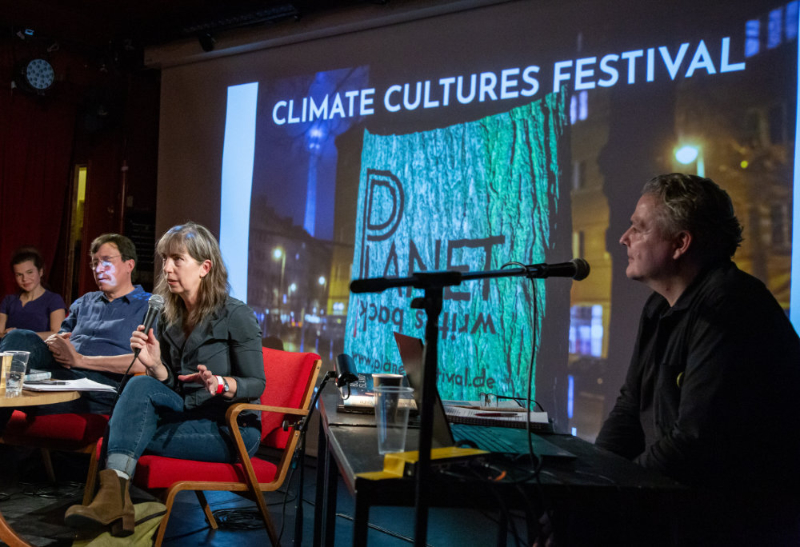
[199, 243]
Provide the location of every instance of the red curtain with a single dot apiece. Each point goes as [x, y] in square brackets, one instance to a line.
[36, 135]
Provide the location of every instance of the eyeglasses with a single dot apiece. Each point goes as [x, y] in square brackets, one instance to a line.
[104, 260]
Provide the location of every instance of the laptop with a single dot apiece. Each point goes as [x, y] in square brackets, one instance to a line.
[492, 439]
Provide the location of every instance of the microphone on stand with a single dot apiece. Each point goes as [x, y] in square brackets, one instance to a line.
[154, 307]
[577, 268]
[345, 373]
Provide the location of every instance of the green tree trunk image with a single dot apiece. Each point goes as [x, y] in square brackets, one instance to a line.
[469, 197]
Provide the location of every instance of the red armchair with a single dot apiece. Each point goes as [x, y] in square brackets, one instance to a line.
[291, 378]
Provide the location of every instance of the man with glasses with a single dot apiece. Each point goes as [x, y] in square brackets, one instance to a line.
[94, 340]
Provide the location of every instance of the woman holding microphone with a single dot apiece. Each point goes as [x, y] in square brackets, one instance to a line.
[204, 354]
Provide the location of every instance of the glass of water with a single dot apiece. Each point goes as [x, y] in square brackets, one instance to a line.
[16, 372]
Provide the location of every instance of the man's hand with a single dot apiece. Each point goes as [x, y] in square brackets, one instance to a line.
[63, 351]
[203, 376]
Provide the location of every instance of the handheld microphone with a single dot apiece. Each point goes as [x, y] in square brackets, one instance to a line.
[577, 268]
[154, 307]
[345, 373]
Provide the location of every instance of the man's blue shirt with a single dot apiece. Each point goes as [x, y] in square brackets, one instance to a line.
[100, 327]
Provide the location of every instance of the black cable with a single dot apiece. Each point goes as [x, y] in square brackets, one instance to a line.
[286, 500]
[530, 510]
[546, 506]
[379, 529]
[491, 517]
[49, 490]
[61, 490]
[501, 502]
[491, 484]
[237, 518]
[370, 525]
[536, 462]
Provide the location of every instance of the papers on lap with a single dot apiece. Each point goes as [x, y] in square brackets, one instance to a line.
[82, 384]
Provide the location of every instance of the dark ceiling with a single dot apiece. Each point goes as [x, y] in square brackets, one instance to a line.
[135, 24]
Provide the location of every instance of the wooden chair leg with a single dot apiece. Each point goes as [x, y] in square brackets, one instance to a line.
[10, 537]
[262, 506]
[48, 464]
[162, 528]
[201, 497]
[91, 477]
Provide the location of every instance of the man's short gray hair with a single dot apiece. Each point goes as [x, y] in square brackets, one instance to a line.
[699, 206]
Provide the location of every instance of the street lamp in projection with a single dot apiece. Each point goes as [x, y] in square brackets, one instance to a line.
[323, 301]
[688, 154]
[291, 301]
[279, 254]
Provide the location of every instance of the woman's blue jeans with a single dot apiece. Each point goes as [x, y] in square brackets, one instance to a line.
[149, 417]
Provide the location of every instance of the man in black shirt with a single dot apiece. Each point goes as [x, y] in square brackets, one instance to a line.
[711, 395]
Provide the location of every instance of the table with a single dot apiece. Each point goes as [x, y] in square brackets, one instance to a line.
[596, 478]
[29, 398]
[37, 398]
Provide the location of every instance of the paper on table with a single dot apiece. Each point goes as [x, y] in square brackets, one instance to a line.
[82, 384]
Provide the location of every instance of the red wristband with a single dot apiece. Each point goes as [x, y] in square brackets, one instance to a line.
[220, 385]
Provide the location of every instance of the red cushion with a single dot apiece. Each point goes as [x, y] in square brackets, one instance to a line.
[65, 430]
[161, 472]
[287, 375]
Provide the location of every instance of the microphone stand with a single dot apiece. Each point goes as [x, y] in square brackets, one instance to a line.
[300, 454]
[433, 283]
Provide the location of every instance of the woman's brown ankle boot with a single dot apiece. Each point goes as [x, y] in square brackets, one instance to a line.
[111, 506]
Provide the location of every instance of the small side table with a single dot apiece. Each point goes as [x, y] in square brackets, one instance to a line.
[29, 398]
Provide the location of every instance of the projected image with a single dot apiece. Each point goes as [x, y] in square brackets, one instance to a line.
[515, 132]
[292, 209]
[469, 197]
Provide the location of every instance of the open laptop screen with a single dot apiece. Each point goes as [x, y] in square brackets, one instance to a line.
[503, 439]
[412, 356]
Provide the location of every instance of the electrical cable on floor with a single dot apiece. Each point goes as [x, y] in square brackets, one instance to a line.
[370, 525]
[488, 516]
[249, 518]
[478, 473]
[379, 528]
[61, 490]
[286, 499]
[238, 519]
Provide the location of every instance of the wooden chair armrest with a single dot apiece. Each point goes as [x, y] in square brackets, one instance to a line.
[233, 412]
[232, 415]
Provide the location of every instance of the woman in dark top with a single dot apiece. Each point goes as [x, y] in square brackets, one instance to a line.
[34, 307]
[204, 354]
